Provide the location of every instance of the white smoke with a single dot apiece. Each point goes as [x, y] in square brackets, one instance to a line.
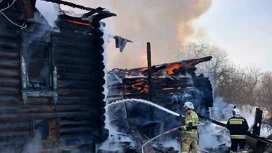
[34, 146]
[49, 10]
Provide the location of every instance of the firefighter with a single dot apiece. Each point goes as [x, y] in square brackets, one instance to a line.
[238, 128]
[190, 134]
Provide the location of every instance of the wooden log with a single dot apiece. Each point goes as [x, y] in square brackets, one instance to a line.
[17, 126]
[7, 34]
[22, 117]
[14, 139]
[9, 91]
[69, 123]
[21, 109]
[77, 139]
[10, 82]
[73, 35]
[9, 63]
[77, 130]
[69, 24]
[13, 133]
[79, 100]
[74, 52]
[77, 84]
[62, 42]
[79, 61]
[81, 77]
[76, 69]
[40, 101]
[9, 73]
[6, 44]
[78, 92]
[9, 54]
[9, 100]
[9, 143]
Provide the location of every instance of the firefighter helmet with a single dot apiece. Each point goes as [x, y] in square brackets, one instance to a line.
[236, 112]
[189, 104]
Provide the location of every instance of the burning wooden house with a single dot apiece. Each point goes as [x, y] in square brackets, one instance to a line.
[168, 85]
[51, 79]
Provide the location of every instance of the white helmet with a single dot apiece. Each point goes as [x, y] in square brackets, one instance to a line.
[236, 112]
[189, 105]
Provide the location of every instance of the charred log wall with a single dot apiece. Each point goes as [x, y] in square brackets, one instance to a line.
[80, 80]
[78, 113]
[14, 127]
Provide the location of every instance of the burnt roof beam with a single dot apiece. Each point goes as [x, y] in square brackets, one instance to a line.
[99, 10]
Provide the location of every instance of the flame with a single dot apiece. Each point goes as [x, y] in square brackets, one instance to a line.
[171, 67]
[80, 23]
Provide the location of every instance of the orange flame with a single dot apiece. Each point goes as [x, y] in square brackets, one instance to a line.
[169, 69]
[80, 23]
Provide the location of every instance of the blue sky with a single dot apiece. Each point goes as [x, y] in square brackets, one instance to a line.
[243, 28]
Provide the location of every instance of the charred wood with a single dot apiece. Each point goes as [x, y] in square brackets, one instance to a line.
[9, 91]
[9, 100]
[84, 44]
[23, 117]
[62, 84]
[79, 61]
[5, 63]
[77, 92]
[10, 73]
[9, 54]
[94, 100]
[82, 77]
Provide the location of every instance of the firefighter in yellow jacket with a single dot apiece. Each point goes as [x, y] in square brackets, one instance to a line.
[190, 134]
[238, 128]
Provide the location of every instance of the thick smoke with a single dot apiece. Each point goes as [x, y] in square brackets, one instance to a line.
[165, 24]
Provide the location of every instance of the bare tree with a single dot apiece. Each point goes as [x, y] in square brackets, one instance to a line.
[265, 92]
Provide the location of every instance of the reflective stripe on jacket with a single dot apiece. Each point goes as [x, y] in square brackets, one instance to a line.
[238, 127]
[238, 136]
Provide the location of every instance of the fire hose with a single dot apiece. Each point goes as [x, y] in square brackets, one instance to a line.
[166, 132]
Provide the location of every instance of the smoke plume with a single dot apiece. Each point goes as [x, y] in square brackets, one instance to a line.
[163, 23]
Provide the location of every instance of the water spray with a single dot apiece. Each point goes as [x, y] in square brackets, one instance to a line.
[146, 102]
